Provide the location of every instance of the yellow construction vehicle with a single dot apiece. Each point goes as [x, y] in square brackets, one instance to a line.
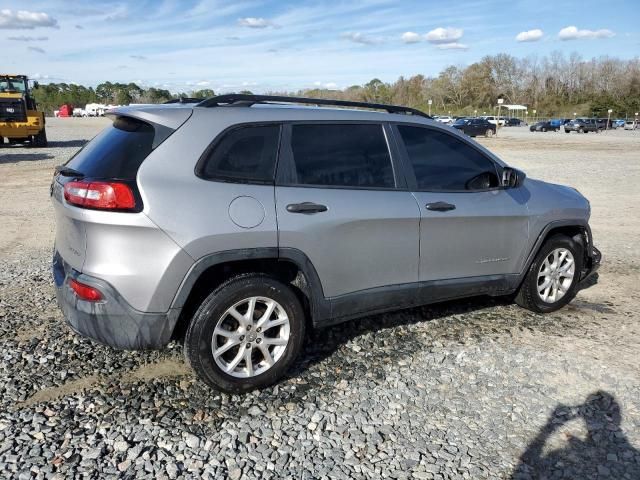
[20, 121]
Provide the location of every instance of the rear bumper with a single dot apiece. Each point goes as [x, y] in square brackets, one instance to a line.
[111, 321]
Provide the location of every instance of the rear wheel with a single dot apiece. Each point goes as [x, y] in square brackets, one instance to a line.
[544, 129]
[39, 140]
[246, 334]
[488, 133]
[552, 279]
[581, 130]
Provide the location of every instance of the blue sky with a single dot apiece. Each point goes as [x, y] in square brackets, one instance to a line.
[287, 45]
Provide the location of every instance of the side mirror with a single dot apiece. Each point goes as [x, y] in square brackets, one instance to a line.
[512, 177]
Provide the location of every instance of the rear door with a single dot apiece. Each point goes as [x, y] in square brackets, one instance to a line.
[341, 201]
[470, 227]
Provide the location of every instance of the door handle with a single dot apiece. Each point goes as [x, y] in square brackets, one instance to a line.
[306, 208]
[440, 206]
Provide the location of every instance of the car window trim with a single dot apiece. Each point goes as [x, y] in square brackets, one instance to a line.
[204, 157]
[409, 172]
[286, 160]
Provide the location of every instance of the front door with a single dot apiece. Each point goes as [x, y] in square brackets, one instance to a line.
[470, 226]
[337, 201]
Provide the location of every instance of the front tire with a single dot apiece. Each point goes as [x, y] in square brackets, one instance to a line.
[552, 280]
[246, 334]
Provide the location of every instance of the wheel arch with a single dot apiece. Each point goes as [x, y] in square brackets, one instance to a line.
[571, 228]
[291, 266]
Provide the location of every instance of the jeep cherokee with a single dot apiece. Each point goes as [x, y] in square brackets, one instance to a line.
[238, 223]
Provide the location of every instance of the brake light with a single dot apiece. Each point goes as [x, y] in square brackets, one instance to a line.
[85, 292]
[100, 195]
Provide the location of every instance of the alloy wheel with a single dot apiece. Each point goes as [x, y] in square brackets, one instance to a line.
[250, 337]
[555, 275]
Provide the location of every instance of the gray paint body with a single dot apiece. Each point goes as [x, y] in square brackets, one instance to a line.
[367, 240]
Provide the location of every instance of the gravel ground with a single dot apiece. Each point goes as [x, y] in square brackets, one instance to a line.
[469, 389]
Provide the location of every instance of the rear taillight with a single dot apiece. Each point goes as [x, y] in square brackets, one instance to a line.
[85, 292]
[100, 195]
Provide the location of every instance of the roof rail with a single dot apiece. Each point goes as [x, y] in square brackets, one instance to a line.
[249, 100]
[183, 100]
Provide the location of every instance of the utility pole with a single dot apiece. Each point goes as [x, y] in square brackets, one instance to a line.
[430, 102]
[608, 118]
[500, 102]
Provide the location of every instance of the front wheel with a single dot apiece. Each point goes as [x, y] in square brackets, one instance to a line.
[552, 280]
[246, 334]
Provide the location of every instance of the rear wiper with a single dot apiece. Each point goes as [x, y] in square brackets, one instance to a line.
[68, 172]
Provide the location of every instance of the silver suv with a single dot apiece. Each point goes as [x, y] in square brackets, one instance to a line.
[242, 221]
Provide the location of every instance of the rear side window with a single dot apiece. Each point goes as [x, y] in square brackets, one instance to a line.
[117, 152]
[443, 162]
[345, 155]
[245, 154]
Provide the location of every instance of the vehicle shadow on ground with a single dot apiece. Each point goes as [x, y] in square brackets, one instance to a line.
[23, 157]
[67, 143]
[322, 344]
[604, 453]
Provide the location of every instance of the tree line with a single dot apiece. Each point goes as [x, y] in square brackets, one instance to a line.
[556, 86]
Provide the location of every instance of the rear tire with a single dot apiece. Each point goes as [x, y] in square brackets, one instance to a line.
[218, 319]
[556, 269]
[489, 133]
[40, 140]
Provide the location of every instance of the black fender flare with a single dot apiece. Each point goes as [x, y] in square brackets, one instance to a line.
[576, 222]
[319, 305]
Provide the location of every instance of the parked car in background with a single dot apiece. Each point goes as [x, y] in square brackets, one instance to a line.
[582, 125]
[475, 126]
[492, 119]
[444, 119]
[618, 123]
[557, 122]
[630, 125]
[514, 122]
[543, 127]
[276, 220]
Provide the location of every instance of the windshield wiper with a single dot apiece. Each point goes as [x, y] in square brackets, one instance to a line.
[68, 172]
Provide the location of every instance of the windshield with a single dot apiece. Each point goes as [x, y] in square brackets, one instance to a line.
[13, 84]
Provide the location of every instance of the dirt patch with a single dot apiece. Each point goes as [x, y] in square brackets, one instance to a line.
[164, 369]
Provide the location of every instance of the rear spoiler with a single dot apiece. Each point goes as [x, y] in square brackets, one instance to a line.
[170, 116]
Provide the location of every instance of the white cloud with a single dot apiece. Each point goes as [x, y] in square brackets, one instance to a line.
[410, 37]
[24, 38]
[358, 37]
[453, 46]
[573, 33]
[25, 20]
[138, 57]
[530, 35]
[203, 83]
[444, 35]
[254, 22]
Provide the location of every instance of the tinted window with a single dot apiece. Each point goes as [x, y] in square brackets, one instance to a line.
[341, 155]
[244, 154]
[443, 162]
[117, 152]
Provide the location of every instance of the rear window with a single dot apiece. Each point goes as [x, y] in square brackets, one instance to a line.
[244, 154]
[117, 152]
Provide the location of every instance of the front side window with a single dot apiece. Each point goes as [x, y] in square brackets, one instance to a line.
[245, 154]
[443, 162]
[344, 155]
